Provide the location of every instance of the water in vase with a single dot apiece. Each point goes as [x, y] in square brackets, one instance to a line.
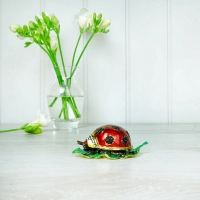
[65, 112]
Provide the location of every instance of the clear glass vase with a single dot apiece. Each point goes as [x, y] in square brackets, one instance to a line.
[65, 99]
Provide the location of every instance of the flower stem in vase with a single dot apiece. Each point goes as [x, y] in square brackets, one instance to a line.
[67, 100]
[52, 103]
[73, 105]
[65, 108]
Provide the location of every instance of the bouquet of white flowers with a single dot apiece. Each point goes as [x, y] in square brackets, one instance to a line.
[39, 33]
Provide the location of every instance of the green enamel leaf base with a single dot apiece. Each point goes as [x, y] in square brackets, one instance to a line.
[108, 154]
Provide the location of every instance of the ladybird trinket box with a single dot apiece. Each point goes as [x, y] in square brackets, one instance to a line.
[108, 141]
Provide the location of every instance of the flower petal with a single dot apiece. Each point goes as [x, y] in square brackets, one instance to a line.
[90, 20]
[104, 24]
[82, 21]
[84, 11]
[42, 119]
[14, 27]
[54, 43]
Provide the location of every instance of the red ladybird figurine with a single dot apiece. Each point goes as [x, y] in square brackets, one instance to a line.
[109, 141]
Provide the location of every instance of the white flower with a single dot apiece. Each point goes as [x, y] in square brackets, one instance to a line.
[41, 119]
[90, 20]
[14, 27]
[54, 43]
[104, 24]
[84, 18]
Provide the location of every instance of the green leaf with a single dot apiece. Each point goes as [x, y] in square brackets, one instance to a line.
[28, 44]
[31, 128]
[37, 131]
[130, 154]
[24, 126]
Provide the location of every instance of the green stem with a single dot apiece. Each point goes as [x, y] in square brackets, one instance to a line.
[65, 108]
[10, 130]
[47, 54]
[44, 49]
[76, 48]
[59, 76]
[59, 116]
[60, 49]
[52, 103]
[74, 55]
[55, 63]
[74, 107]
[50, 53]
[82, 54]
[74, 103]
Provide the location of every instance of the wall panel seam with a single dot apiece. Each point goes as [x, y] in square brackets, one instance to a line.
[85, 77]
[42, 68]
[1, 67]
[127, 64]
[168, 65]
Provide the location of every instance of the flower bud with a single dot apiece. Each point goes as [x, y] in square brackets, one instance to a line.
[55, 21]
[40, 30]
[31, 25]
[25, 29]
[94, 18]
[99, 16]
[104, 24]
[38, 20]
[54, 43]
[44, 15]
[14, 27]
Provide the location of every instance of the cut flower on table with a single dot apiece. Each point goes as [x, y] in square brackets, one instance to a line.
[33, 127]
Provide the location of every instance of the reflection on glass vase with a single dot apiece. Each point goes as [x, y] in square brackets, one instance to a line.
[65, 100]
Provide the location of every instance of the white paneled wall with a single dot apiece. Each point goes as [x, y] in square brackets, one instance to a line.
[145, 70]
[185, 60]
